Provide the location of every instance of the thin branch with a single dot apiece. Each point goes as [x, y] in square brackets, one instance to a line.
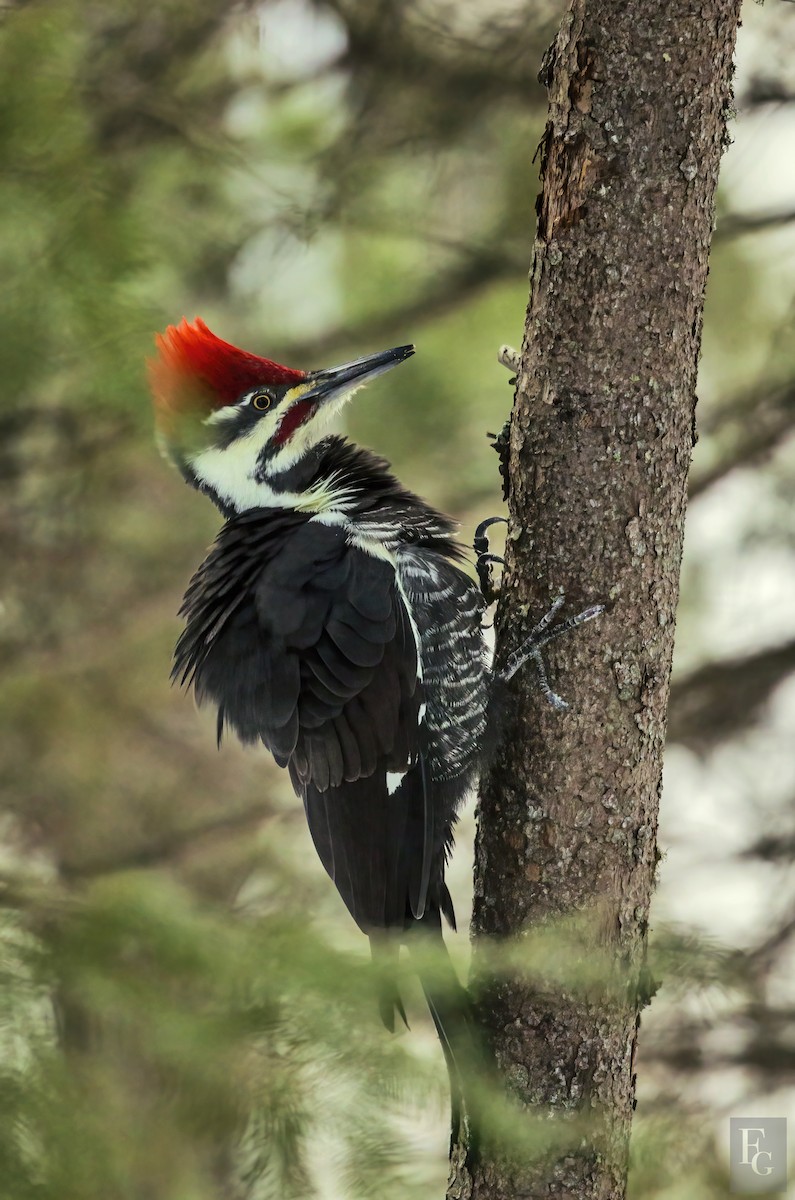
[736, 224]
[762, 92]
[456, 287]
[774, 848]
[720, 699]
[773, 420]
[165, 848]
[764, 955]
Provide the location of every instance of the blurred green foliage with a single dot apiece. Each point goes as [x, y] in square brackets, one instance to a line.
[184, 1010]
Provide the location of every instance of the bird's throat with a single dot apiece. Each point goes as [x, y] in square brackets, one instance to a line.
[297, 415]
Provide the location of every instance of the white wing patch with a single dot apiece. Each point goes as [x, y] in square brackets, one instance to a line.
[393, 781]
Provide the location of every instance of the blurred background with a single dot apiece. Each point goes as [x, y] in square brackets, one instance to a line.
[185, 1009]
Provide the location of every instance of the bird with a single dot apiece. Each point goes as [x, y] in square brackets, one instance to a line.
[333, 621]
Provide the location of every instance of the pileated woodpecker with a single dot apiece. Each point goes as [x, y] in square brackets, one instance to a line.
[332, 622]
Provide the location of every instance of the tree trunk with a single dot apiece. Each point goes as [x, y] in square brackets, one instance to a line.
[600, 443]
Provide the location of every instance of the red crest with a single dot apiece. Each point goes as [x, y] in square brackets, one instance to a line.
[196, 372]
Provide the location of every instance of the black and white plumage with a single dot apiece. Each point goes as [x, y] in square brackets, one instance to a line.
[349, 642]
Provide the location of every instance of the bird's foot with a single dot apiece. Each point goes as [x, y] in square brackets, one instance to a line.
[545, 632]
[485, 560]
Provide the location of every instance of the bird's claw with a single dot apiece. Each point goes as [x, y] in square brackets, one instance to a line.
[543, 633]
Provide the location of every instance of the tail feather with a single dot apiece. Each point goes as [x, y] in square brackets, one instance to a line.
[453, 1070]
[453, 1016]
[451, 1012]
[389, 1003]
[385, 951]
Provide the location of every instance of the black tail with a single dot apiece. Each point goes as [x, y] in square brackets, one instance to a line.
[385, 949]
[453, 1015]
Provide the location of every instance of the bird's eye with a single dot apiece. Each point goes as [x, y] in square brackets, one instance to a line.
[262, 401]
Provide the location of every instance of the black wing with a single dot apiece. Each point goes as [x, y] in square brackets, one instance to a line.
[338, 641]
[319, 661]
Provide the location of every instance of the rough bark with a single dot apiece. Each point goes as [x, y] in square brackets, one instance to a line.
[600, 444]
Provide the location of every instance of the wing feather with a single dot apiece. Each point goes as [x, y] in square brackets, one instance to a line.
[314, 653]
[353, 646]
[347, 672]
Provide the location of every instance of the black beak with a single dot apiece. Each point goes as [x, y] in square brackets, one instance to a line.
[335, 380]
